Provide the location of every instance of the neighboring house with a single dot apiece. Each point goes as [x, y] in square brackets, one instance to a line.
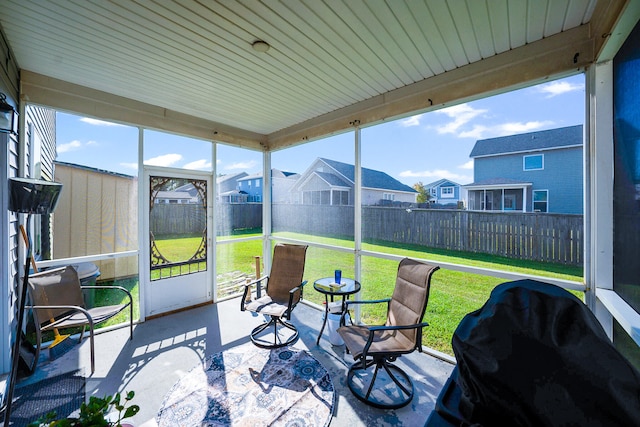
[281, 183]
[531, 172]
[444, 192]
[185, 194]
[174, 197]
[251, 185]
[329, 182]
[227, 188]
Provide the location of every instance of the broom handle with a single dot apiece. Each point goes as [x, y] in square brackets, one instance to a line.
[33, 264]
[26, 242]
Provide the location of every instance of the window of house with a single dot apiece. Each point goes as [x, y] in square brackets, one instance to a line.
[257, 183]
[341, 198]
[540, 200]
[388, 196]
[447, 192]
[509, 202]
[533, 162]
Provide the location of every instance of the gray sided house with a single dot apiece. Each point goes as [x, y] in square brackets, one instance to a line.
[281, 183]
[227, 188]
[530, 172]
[444, 192]
[329, 182]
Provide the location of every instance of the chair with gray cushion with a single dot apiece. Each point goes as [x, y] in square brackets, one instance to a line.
[373, 378]
[284, 288]
[58, 303]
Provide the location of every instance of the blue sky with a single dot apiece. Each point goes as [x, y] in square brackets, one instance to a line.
[423, 148]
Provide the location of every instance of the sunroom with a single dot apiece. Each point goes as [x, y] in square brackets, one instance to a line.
[266, 81]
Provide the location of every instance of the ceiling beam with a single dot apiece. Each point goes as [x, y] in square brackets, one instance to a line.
[611, 24]
[562, 54]
[64, 96]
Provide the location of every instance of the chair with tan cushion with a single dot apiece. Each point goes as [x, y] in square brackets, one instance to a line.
[58, 303]
[284, 288]
[376, 347]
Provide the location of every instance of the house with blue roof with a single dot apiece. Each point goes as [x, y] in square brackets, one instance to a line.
[329, 182]
[530, 172]
[444, 192]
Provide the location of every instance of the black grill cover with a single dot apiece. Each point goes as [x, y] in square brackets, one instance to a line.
[535, 355]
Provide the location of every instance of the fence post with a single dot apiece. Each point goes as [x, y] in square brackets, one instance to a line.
[259, 285]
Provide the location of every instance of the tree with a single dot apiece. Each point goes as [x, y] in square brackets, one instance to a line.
[423, 192]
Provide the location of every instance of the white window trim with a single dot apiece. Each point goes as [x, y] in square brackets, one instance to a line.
[533, 199]
[449, 194]
[524, 162]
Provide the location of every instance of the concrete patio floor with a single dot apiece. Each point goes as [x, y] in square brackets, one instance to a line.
[165, 348]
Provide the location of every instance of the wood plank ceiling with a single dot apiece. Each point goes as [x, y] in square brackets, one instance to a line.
[189, 66]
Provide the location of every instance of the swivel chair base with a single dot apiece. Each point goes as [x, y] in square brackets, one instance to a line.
[393, 391]
[277, 343]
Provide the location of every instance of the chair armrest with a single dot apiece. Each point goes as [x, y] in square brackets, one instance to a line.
[253, 282]
[396, 328]
[247, 290]
[119, 288]
[300, 287]
[292, 293]
[374, 329]
[373, 301]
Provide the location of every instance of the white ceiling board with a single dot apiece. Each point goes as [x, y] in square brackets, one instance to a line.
[327, 57]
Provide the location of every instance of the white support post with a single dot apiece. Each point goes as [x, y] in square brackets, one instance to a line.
[357, 212]
[212, 218]
[600, 187]
[266, 210]
[143, 230]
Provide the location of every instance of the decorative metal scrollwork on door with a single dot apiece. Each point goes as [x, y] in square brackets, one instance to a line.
[177, 219]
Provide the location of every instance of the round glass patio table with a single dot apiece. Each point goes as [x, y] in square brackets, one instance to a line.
[328, 287]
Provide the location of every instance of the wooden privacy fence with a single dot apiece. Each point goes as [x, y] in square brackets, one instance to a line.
[556, 238]
[177, 219]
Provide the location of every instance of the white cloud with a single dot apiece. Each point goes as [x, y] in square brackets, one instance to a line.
[558, 88]
[97, 122]
[468, 165]
[437, 174]
[164, 160]
[198, 165]
[503, 129]
[411, 121]
[133, 166]
[461, 115]
[241, 165]
[69, 146]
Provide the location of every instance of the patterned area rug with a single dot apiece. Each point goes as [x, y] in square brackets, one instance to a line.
[250, 386]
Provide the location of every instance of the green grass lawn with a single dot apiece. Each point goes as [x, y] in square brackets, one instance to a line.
[453, 294]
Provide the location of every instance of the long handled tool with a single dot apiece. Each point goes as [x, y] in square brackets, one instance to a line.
[60, 343]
